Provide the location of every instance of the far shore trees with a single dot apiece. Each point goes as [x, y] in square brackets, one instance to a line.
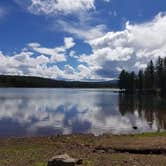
[151, 79]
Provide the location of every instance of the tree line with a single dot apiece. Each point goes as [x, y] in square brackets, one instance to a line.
[38, 82]
[151, 79]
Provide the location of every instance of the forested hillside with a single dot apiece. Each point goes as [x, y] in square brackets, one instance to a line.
[27, 81]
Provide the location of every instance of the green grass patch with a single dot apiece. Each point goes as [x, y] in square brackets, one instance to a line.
[40, 164]
[89, 163]
[150, 134]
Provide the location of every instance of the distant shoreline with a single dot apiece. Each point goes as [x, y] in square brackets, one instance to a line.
[10, 81]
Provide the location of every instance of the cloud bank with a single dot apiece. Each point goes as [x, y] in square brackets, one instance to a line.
[131, 48]
[110, 51]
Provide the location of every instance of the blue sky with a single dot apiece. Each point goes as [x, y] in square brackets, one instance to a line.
[81, 39]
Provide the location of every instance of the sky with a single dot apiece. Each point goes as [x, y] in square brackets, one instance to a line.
[85, 40]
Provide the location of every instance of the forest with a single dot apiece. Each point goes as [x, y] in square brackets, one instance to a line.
[38, 82]
[150, 79]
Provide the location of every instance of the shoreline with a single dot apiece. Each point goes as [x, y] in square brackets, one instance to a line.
[106, 150]
[141, 134]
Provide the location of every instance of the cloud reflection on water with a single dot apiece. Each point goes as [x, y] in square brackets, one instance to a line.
[33, 112]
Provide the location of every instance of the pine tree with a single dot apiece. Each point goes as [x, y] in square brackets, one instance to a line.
[152, 78]
[123, 80]
[159, 73]
[150, 70]
[140, 80]
[132, 82]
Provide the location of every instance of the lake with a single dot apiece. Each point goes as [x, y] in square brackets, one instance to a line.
[28, 112]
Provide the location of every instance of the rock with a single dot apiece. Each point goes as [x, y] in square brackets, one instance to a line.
[64, 160]
[98, 151]
[101, 149]
[135, 127]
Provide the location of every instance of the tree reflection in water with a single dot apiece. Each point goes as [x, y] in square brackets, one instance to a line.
[152, 108]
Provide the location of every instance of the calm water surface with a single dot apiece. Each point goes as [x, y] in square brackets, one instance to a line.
[39, 112]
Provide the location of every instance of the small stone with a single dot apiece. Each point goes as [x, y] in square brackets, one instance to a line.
[64, 160]
[99, 151]
[125, 161]
[135, 127]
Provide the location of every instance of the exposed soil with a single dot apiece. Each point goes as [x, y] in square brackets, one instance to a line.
[106, 150]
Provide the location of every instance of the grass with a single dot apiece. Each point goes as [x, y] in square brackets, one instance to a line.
[89, 163]
[150, 134]
[40, 164]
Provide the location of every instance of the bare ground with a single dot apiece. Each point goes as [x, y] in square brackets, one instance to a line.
[106, 150]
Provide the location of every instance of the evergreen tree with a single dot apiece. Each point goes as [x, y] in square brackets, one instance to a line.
[164, 76]
[159, 73]
[152, 78]
[123, 80]
[149, 76]
[132, 82]
[140, 80]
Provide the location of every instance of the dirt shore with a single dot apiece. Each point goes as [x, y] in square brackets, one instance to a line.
[106, 150]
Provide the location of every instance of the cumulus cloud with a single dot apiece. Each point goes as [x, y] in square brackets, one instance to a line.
[73, 54]
[69, 42]
[25, 63]
[130, 48]
[58, 53]
[36, 60]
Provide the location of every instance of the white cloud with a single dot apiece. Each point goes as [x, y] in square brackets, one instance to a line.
[36, 60]
[21, 64]
[52, 7]
[130, 48]
[44, 63]
[83, 31]
[140, 65]
[73, 54]
[82, 10]
[63, 6]
[123, 49]
[69, 69]
[25, 64]
[69, 42]
[58, 53]
[142, 38]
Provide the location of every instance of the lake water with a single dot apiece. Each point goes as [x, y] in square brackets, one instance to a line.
[39, 112]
